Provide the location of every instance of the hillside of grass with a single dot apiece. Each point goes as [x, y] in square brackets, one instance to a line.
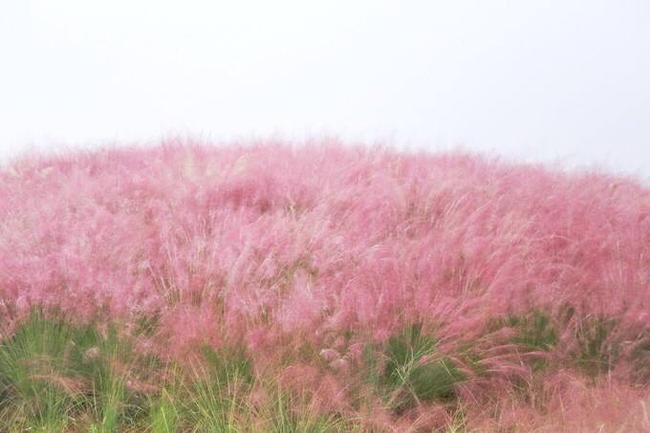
[320, 288]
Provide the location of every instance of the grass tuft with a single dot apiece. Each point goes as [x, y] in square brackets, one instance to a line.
[596, 354]
[415, 371]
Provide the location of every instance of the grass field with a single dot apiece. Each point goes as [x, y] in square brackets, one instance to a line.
[270, 287]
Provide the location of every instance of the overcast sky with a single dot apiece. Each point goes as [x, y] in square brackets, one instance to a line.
[538, 80]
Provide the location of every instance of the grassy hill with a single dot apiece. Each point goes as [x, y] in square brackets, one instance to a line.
[321, 288]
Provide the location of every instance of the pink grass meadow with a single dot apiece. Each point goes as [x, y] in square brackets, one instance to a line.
[278, 248]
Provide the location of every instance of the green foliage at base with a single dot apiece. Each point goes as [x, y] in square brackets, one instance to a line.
[53, 373]
[414, 370]
[535, 331]
[596, 354]
[56, 376]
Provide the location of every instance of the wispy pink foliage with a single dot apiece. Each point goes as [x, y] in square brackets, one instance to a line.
[573, 406]
[255, 243]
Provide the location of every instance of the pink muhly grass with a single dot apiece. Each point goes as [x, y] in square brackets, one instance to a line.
[338, 247]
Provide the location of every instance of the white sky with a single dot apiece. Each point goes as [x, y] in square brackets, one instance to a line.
[536, 80]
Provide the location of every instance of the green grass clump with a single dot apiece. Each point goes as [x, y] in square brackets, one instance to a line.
[214, 397]
[414, 370]
[164, 416]
[54, 374]
[535, 331]
[287, 415]
[596, 354]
